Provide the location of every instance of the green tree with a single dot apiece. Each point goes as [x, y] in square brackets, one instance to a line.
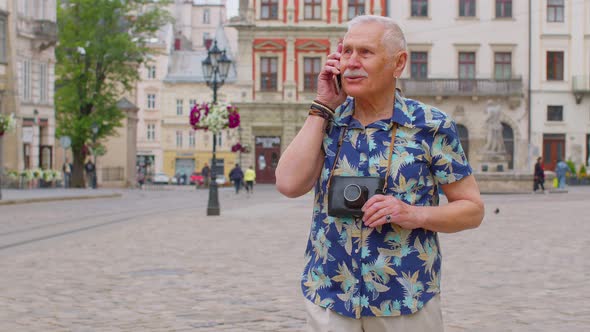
[101, 45]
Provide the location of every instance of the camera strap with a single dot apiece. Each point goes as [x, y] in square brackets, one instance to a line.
[341, 139]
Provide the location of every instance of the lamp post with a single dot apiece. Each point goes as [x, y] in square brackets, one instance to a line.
[240, 140]
[1, 161]
[215, 69]
[95, 126]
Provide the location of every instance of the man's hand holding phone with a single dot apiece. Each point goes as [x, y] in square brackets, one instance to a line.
[330, 91]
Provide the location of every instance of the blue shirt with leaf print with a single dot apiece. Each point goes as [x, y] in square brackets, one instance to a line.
[383, 271]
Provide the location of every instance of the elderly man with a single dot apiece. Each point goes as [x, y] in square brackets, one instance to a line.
[378, 270]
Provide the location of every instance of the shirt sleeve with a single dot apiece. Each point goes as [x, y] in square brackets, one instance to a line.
[449, 163]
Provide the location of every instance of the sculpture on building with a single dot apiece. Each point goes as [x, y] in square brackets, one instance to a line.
[494, 139]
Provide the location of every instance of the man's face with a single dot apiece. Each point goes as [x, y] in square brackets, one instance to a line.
[366, 65]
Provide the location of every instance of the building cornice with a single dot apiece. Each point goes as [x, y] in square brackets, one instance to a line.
[292, 29]
[555, 36]
[419, 44]
[466, 44]
[503, 44]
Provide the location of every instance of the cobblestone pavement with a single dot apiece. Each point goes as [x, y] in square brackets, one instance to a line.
[152, 261]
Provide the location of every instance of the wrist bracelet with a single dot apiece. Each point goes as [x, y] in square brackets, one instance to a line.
[322, 108]
[321, 114]
[322, 104]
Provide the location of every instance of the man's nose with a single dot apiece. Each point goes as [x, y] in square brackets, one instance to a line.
[353, 61]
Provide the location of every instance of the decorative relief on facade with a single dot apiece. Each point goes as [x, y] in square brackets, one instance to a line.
[269, 45]
[312, 45]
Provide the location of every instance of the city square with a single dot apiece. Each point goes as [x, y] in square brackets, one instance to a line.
[151, 260]
[125, 123]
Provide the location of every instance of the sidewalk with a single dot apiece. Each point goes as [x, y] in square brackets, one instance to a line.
[20, 196]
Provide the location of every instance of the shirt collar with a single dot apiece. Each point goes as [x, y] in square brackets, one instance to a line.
[402, 116]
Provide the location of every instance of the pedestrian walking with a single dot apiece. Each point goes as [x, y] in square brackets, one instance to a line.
[236, 176]
[67, 170]
[249, 178]
[205, 172]
[539, 176]
[140, 179]
[376, 159]
[90, 174]
[561, 170]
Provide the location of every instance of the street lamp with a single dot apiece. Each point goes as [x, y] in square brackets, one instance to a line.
[215, 69]
[242, 148]
[95, 126]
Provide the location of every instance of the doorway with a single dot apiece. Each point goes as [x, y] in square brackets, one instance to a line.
[508, 136]
[553, 150]
[464, 138]
[267, 153]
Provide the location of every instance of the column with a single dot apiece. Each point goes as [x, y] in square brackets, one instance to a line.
[334, 12]
[290, 86]
[377, 8]
[290, 12]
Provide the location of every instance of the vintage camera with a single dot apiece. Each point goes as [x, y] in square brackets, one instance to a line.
[348, 194]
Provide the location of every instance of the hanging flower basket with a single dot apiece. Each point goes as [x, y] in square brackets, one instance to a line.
[214, 117]
[240, 148]
[7, 123]
[236, 147]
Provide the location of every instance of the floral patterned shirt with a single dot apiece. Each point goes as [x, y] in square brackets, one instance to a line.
[384, 271]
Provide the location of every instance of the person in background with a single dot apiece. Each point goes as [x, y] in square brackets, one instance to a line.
[206, 173]
[539, 176]
[249, 178]
[90, 170]
[140, 178]
[67, 170]
[236, 176]
[561, 170]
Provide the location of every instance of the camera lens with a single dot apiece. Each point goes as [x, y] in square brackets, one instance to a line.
[355, 196]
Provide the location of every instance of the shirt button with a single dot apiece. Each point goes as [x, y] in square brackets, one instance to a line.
[356, 251]
[357, 281]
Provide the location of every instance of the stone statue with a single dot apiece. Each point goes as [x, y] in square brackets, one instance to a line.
[494, 140]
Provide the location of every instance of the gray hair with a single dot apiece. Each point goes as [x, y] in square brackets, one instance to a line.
[393, 36]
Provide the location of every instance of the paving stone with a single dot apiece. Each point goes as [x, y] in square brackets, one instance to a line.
[159, 264]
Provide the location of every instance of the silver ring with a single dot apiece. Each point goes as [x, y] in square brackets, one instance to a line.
[388, 218]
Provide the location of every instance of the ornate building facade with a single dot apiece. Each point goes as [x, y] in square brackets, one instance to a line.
[560, 98]
[470, 59]
[29, 33]
[282, 46]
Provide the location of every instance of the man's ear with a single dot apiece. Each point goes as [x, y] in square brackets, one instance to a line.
[400, 63]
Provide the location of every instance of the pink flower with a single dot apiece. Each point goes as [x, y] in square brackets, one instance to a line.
[195, 116]
[233, 119]
[236, 147]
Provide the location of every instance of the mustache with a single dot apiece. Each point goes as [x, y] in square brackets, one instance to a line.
[355, 73]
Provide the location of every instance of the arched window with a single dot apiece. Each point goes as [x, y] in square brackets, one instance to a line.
[464, 138]
[508, 136]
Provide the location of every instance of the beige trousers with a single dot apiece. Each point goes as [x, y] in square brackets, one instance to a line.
[428, 319]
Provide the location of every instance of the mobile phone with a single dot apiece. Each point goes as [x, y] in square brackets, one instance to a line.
[339, 81]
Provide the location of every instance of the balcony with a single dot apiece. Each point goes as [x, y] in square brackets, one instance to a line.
[580, 86]
[45, 30]
[442, 87]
